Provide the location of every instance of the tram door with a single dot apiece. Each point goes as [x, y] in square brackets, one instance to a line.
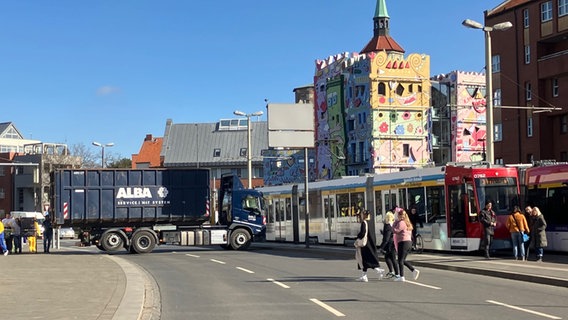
[280, 219]
[390, 200]
[330, 217]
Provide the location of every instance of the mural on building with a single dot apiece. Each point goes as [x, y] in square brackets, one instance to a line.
[286, 166]
[400, 99]
[468, 117]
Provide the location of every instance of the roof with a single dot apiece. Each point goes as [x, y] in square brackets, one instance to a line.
[149, 152]
[506, 5]
[5, 126]
[380, 43]
[191, 144]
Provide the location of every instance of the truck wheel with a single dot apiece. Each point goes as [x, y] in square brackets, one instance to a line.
[143, 242]
[100, 247]
[111, 241]
[240, 239]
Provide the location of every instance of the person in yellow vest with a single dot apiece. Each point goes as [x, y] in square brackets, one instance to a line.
[32, 239]
[2, 242]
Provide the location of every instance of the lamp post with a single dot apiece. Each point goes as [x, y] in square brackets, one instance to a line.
[488, 80]
[103, 146]
[249, 143]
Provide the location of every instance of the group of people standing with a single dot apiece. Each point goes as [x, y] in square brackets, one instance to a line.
[12, 235]
[531, 224]
[396, 245]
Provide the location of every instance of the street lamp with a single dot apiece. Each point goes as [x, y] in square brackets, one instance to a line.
[98, 144]
[488, 79]
[249, 147]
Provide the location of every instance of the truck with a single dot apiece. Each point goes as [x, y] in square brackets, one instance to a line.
[138, 209]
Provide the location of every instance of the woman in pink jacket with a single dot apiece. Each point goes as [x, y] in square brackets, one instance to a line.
[403, 237]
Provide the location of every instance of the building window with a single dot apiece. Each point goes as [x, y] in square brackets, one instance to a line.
[546, 11]
[382, 88]
[530, 127]
[526, 18]
[528, 91]
[527, 54]
[406, 150]
[350, 125]
[497, 132]
[243, 152]
[216, 153]
[497, 97]
[496, 63]
[2, 194]
[562, 7]
[563, 156]
[555, 88]
[564, 123]
[530, 158]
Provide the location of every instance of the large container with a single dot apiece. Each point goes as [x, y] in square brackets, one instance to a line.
[136, 197]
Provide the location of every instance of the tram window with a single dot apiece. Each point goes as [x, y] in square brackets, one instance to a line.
[343, 205]
[270, 210]
[416, 198]
[378, 204]
[357, 202]
[288, 209]
[436, 210]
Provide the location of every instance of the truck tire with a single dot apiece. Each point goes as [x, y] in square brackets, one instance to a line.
[143, 241]
[240, 239]
[111, 241]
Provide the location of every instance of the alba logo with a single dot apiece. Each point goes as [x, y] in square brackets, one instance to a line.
[136, 193]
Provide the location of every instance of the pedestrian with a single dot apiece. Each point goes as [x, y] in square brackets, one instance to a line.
[489, 221]
[16, 235]
[414, 219]
[403, 237]
[2, 242]
[7, 222]
[517, 226]
[33, 237]
[47, 232]
[366, 250]
[538, 233]
[387, 246]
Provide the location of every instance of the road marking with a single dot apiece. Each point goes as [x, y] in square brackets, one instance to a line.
[217, 261]
[328, 308]
[245, 270]
[191, 255]
[424, 285]
[278, 283]
[524, 310]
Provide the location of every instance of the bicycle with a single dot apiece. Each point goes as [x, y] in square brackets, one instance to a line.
[417, 244]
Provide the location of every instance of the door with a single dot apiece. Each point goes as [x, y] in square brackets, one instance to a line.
[390, 200]
[330, 217]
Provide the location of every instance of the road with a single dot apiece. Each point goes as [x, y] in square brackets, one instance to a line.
[270, 283]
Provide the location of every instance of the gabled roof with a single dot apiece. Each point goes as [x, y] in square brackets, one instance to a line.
[188, 144]
[5, 126]
[149, 152]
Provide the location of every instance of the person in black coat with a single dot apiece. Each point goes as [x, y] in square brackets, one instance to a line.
[366, 255]
[489, 221]
[387, 246]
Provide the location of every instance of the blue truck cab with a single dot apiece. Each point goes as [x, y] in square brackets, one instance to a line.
[243, 211]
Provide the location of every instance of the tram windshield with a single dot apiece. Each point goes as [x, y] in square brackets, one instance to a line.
[501, 191]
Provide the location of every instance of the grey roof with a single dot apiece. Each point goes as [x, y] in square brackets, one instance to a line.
[4, 126]
[189, 144]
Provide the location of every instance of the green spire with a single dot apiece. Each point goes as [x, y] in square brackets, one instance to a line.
[381, 10]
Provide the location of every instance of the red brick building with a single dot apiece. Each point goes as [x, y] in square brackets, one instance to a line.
[530, 80]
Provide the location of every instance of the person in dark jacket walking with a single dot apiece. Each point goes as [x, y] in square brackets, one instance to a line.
[538, 233]
[388, 248]
[47, 233]
[414, 220]
[489, 221]
[366, 250]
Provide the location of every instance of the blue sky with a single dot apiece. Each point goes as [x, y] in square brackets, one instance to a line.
[113, 71]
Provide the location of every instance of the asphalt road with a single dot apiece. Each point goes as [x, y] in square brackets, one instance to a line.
[269, 283]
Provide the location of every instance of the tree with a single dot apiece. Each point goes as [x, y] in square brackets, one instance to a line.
[90, 159]
[120, 163]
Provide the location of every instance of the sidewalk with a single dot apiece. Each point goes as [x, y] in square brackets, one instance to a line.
[75, 283]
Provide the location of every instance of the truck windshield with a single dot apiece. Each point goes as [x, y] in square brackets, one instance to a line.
[253, 204]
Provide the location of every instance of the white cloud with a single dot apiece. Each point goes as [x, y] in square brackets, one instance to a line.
[107, 90]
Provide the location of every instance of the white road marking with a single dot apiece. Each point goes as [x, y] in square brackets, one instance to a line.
[424, 285]
[278, 283]
[524, 310]
[217, 261]
[191, 255]
[245, 270]
[328, 308]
